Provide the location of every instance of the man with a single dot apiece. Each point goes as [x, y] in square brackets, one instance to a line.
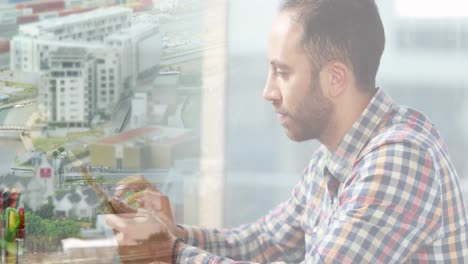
[380, 189]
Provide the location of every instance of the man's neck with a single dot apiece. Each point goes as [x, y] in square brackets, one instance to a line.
[346, 114]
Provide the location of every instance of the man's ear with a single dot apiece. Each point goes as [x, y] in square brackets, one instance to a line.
[335, 78]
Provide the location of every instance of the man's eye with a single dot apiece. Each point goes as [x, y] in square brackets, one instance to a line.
[280, 74]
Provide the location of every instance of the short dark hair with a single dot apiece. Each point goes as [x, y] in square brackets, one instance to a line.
[347, 30]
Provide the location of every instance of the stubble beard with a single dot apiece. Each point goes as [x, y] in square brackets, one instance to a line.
[312, 116]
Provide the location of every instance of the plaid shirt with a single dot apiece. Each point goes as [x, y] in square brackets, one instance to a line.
[388, 194]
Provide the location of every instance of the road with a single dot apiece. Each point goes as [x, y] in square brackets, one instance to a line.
[20, 116]
[10, 142]
[17, 104]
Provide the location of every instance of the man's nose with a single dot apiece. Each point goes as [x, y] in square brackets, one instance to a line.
[271, 92]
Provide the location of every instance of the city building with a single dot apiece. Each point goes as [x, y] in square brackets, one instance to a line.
[9, 14]
[65, 94]
[106, 70]
[152, 147]
[28, 55]
[77, 202]
[139, 117]
[86, 62]
[164, 5]
[140, 47]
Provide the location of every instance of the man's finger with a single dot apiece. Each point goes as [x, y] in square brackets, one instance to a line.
[134, 183]
[119, 222]
[152, 200]
[121, 207]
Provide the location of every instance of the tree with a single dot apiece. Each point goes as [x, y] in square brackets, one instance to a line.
[58, 155]
[74, 197]
[44, 235]
[34, 224]
[47, 210]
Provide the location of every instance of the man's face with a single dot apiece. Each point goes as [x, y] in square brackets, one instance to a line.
[293, 86]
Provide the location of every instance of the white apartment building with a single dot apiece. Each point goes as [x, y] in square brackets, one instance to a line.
[107, 71]
[115, 54]
[65, 90]
[94, 26]
[140, 47]
[79, 80]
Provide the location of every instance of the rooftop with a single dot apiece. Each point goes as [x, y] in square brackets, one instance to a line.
[134, 31]
[156, 134]
[54, 23]
[165, 79]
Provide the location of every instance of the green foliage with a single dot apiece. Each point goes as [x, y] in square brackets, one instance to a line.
[44, 235]
[60, 228]
[35, 225]
[47, 210]
[47, 144]
[59, 194]
[28, 90]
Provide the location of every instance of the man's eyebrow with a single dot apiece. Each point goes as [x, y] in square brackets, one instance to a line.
[278, 64]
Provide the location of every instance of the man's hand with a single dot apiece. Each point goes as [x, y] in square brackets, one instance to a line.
[142, 237]
[135, 192]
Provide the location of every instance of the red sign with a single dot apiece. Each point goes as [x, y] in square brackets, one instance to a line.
[45, 172]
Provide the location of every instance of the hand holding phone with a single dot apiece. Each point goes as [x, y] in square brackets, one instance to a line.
[135, 193]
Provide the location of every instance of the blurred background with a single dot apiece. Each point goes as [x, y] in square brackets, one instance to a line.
[424, 67]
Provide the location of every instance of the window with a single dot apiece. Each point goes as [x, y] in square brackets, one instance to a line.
[432, 9]
[443, 36]
[225, 159]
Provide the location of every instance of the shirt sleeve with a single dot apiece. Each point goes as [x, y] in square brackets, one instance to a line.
[276, 237]
[389, 208]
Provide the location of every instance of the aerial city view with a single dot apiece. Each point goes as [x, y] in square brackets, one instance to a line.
[109, 87]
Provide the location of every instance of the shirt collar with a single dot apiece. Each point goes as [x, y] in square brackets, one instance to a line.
[342, 160]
